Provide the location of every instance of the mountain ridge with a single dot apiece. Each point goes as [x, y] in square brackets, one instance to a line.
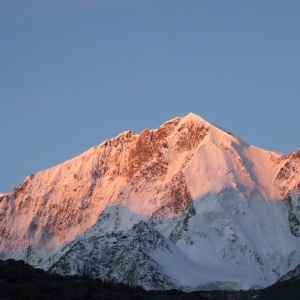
[202, 190]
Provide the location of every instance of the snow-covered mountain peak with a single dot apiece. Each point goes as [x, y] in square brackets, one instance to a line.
[191, 117]
[215, 134]
[199, 195]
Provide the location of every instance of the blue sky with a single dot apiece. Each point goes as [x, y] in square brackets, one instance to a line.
[74, 73]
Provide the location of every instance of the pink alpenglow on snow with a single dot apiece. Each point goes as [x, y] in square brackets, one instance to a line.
[227, 212]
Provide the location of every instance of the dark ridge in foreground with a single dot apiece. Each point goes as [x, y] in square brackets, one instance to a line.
[21, 281]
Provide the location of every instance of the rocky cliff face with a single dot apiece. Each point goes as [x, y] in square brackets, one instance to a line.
[187, 205]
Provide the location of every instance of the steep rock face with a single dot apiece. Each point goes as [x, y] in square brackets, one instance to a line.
[288, 177]
[292, 203]
[52, 207]
[206, 199]
[118, 257]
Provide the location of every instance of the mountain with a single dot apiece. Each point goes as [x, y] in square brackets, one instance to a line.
[187, 206]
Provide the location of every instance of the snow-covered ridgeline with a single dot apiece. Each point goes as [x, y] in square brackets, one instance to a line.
[187, 192]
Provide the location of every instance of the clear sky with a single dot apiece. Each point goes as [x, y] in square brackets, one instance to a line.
[74, 73]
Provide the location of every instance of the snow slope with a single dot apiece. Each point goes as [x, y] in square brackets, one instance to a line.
[187, 205]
